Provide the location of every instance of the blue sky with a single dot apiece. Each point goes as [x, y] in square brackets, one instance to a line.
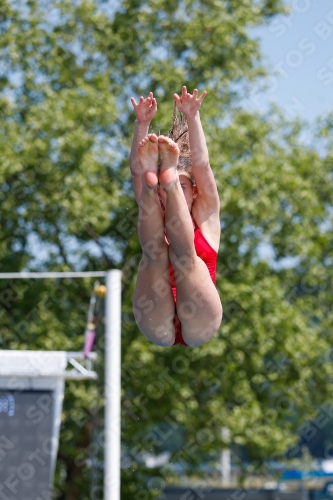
[299, 50]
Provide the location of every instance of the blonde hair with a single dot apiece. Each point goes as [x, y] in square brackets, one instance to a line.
[180, 135]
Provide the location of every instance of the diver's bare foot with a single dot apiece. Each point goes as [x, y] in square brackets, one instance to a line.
[148, 156]
[169, 154]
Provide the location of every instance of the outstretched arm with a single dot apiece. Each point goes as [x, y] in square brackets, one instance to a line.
[189, 104]
[145, 111]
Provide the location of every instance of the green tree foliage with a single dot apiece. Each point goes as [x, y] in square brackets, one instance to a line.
[67, 70]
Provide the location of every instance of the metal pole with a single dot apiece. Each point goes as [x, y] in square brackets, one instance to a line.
[112, 386]
[70, 274]
[225, 458]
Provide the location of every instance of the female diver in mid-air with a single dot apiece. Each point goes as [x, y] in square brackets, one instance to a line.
[175, 300]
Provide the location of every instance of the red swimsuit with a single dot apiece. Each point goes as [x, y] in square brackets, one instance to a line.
[208, 255]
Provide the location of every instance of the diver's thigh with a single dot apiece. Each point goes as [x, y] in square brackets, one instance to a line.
[153, 303]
